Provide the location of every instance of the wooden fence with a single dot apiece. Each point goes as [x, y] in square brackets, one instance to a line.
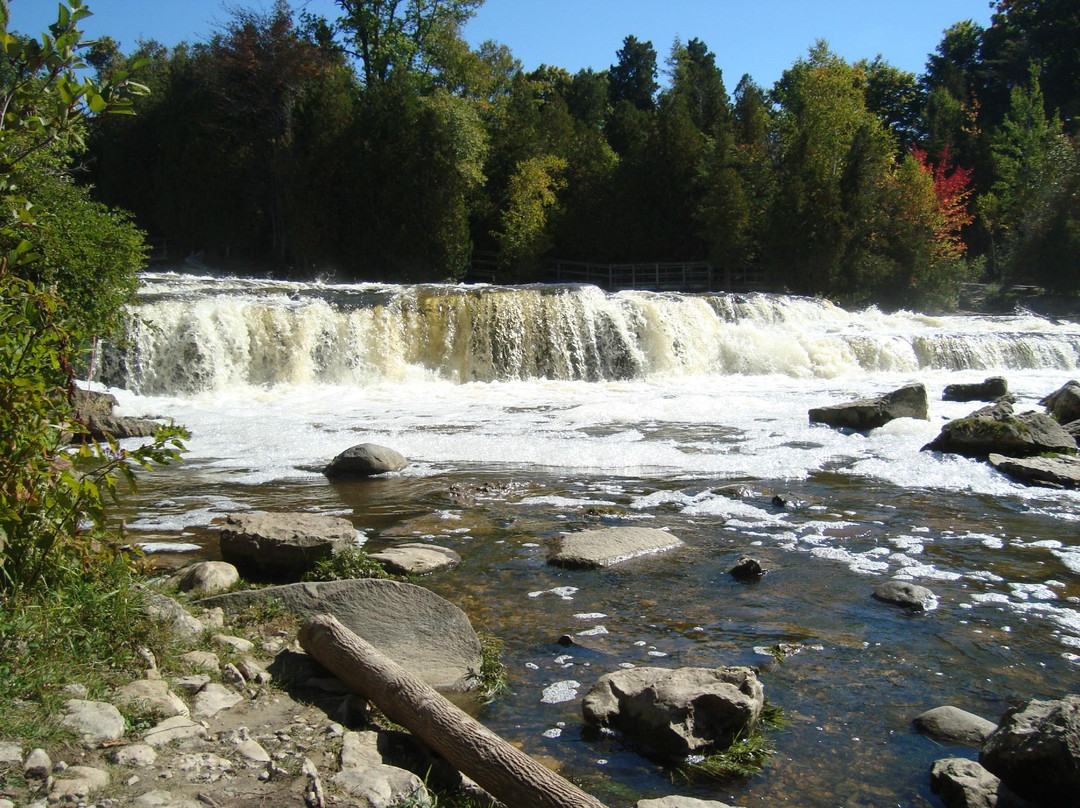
[679, 276]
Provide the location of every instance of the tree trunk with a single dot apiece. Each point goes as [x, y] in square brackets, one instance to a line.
[505, 772]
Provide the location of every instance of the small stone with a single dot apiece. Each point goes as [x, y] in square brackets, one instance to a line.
[251, 750]
[163, 799]
[75, 690]
[748, 569]
[78, 783]
[139, 755]
[204, 767]
[213, 618]
[237, 643]
[96, 721]
[38, 764]
[208, 578]
[174, 729]
[360, 750]
[202, 659]
[230, 673]
[214, 698]
[254, 672]
[152, 695]
[191, 684]
[10, 754]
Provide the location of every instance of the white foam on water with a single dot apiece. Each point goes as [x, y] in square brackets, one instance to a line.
[560, 692]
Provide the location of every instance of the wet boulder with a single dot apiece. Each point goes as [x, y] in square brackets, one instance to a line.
[95, 411]
[963, 783]
[1064, 403]
[283, 545]
[424, 633]
[864, 414]
[365, 460]
[1036, 750]
[676, 712]
[1062, 471]
[592, 549]
[997, 430]
[906, 594]
[747, 570]
[950, 723]
[989, 389]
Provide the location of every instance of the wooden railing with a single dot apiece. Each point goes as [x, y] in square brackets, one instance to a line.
[680, 276]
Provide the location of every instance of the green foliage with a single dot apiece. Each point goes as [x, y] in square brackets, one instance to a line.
[96, 619]
[525, 235]
[493, 682]
[345, 565]
[52, 500]
[746, 756]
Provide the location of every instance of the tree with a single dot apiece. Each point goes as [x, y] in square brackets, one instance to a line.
[527, 220]
[951, 87]
[396, 35]
[1041, 32]
[52, 516]
[1025, 151]
[953, 191]
[633, 76]
[893, 95]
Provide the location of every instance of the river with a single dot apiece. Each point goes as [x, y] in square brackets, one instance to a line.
[528, 412]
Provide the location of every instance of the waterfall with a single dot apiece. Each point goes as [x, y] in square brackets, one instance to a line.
[197, 333]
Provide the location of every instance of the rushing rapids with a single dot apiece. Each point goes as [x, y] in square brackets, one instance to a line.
[197, 333]
[529, 412]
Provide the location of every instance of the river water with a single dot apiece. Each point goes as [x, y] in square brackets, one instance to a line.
[529, 412]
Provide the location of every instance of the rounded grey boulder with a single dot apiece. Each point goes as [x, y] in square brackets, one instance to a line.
[903, 593]
[365, 460]
[677, 712]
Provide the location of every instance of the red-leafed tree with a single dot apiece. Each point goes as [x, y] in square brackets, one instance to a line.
[952, 187]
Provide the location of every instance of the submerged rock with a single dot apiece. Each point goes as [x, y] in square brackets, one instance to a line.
[591, 549]
[987, 390]
[904, 593]
[677, 712]
[365, 460]
[1036, 750]
[283, 545]
[953, 724]
[909, 401]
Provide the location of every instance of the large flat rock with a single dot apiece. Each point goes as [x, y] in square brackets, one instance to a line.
[1062, 471]
[865, 414]
[283, 545]
[427, 635]
[590, 549]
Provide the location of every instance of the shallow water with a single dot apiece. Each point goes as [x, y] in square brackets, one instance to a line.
[502, 465]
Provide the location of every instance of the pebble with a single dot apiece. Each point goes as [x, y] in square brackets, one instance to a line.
[237, 643]
[38, 764]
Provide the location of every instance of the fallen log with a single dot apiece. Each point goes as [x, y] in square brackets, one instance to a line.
[507, 773]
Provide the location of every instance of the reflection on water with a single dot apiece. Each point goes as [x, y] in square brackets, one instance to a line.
[856, 671]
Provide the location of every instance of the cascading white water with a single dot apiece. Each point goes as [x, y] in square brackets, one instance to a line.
[198, 333]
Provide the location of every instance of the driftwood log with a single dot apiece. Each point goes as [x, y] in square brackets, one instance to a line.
[506, 772]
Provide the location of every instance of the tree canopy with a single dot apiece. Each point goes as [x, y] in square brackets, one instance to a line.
[381, 145]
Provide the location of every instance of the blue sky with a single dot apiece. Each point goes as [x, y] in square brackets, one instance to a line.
[759, 37]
